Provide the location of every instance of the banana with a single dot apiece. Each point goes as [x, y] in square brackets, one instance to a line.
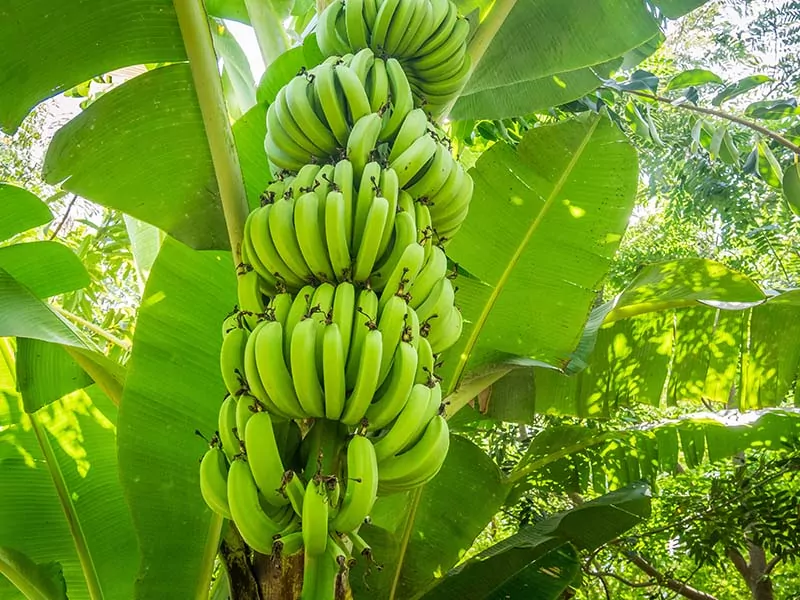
[409, 423]
[246, 405]
[304, 368]
[370, 13]
[444, 70]
[360, 545]
[431, 58]
[413, 159]
[406, 203]
[364, 320]
[435, 269]
[322, 307]
[361, 64]
[399, 25]
[279, 307]
[315, 519]
[327, 37]
[368, 188]
[377, 85]
[281, 138]
[299, 309]
[248, 252]
[303, 113]
[404, 273]
[214, 481]
[402, 98]
[421, 462]
[434, 176]
[420, 11]
[390, 189]
[411, 332]
[394, 394]
[414, 126]
[440, 92]
[405, 234]
[331, 102]
[254, 379]
[426, 362]
[370, 242]
[424, 227]
[272, 368]
[295, 491]
[438, 303]
[391, 324]
[442, 33]
[323, 183]
[451, 209]
[333, 371]
[251, 300]
[280, 157]
[421, 27]
[281, 228]
[264, 458]
[292, 129]
[366, 379]
[362, 141]
[254, 524]
[310, 232]
[354, 92]
[303, 182]
[288, 545]
[336, 236]
[446, 333]
[383, 21]
[361, 485]
[227, 425]
[343, 179]
[231, 359]
[356, 27]
[344, 313]
[265, 249]
[452, 223]
[448, 192]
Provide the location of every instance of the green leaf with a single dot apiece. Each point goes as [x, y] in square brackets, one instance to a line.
[544, 222]
[22, 210]
[50, 46]
[672, 9]
[740, 87]
[692, 77]
[248, 134]
[439, 531]
[106, 154]
[586, 527]
[767, 166]
[145, 241]
[562, 36]
[531, 95]
[61, 495]
[46, 372]
[35, 581]
[238, 84]
[280, 72]
[636, 121]
[174, 388]
[640, 80]
[234, 10]
[791, 187]
[45, 268]
[772, 109]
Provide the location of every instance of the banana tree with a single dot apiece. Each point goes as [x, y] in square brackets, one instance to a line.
[99, 455]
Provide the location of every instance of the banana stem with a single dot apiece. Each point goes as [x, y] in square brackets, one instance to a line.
[96, 329]
[270, 34]
[193, 22]
[484, 35]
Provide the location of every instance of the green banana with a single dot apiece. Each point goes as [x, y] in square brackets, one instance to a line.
[279, 307]
[292, 129]
[264, 458]
[297, 100]
[310, 232]
[295, 491]
[362, 141]
[368, 188]
[426, 362]
[354, 92]
[370, 242]
[245, 406]
[404, 274]
[414, 126]
[333, 371]
[361, 64]
[445, 50]
[249, 253]
[370, 13]
[254, 378]
[304, 368]
[435, 268]
[281, 139]
[231, 358]
[366, 380]
[390, 189]
[280, 157]
[322, 307]
[356, 26]
[275, 376]
[434, 175]
[378, 85]
[402, 98]
[323, 183]
[382, 23]
[288, 545]
[446, 333]
[302, 182]
[421, 12]
[424, 227]
[344, 306]
[331, 102]
[253, 523]
[438, 303]
[442, 33]
[300, 307]
[392, 397]
[360, 545]
[227, 425]
[327, 36]
[413, 159]
[405, 234]
[265, 250]
[408, 424]
[411, 332]
[392, 323]
[315, 518]
[361, 485]
[214, 481]
[343, 179]
[281, 228]
[399, 25]
[364, 319]
[420, 28]
[336, 240]
[421, 462]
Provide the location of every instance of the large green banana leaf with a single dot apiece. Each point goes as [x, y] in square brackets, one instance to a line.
[22, 210]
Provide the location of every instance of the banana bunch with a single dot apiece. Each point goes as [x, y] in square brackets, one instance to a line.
[427, 36]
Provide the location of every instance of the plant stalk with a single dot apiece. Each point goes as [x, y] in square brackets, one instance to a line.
[193, 22]
[722, 115]
[479, 42]
[96, 329]
[270, 34]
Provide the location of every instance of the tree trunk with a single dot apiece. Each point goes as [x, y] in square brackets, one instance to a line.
[760, 582]
[279, 579]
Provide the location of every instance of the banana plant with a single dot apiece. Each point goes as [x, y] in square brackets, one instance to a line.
[102, 498]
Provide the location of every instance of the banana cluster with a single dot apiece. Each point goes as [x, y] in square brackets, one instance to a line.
[427, 36]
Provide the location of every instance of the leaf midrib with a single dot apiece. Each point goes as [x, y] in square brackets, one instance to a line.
[506, 275]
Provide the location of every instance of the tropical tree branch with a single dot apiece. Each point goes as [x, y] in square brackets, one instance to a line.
[722, 115]
[679, 587]
[193, 23]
